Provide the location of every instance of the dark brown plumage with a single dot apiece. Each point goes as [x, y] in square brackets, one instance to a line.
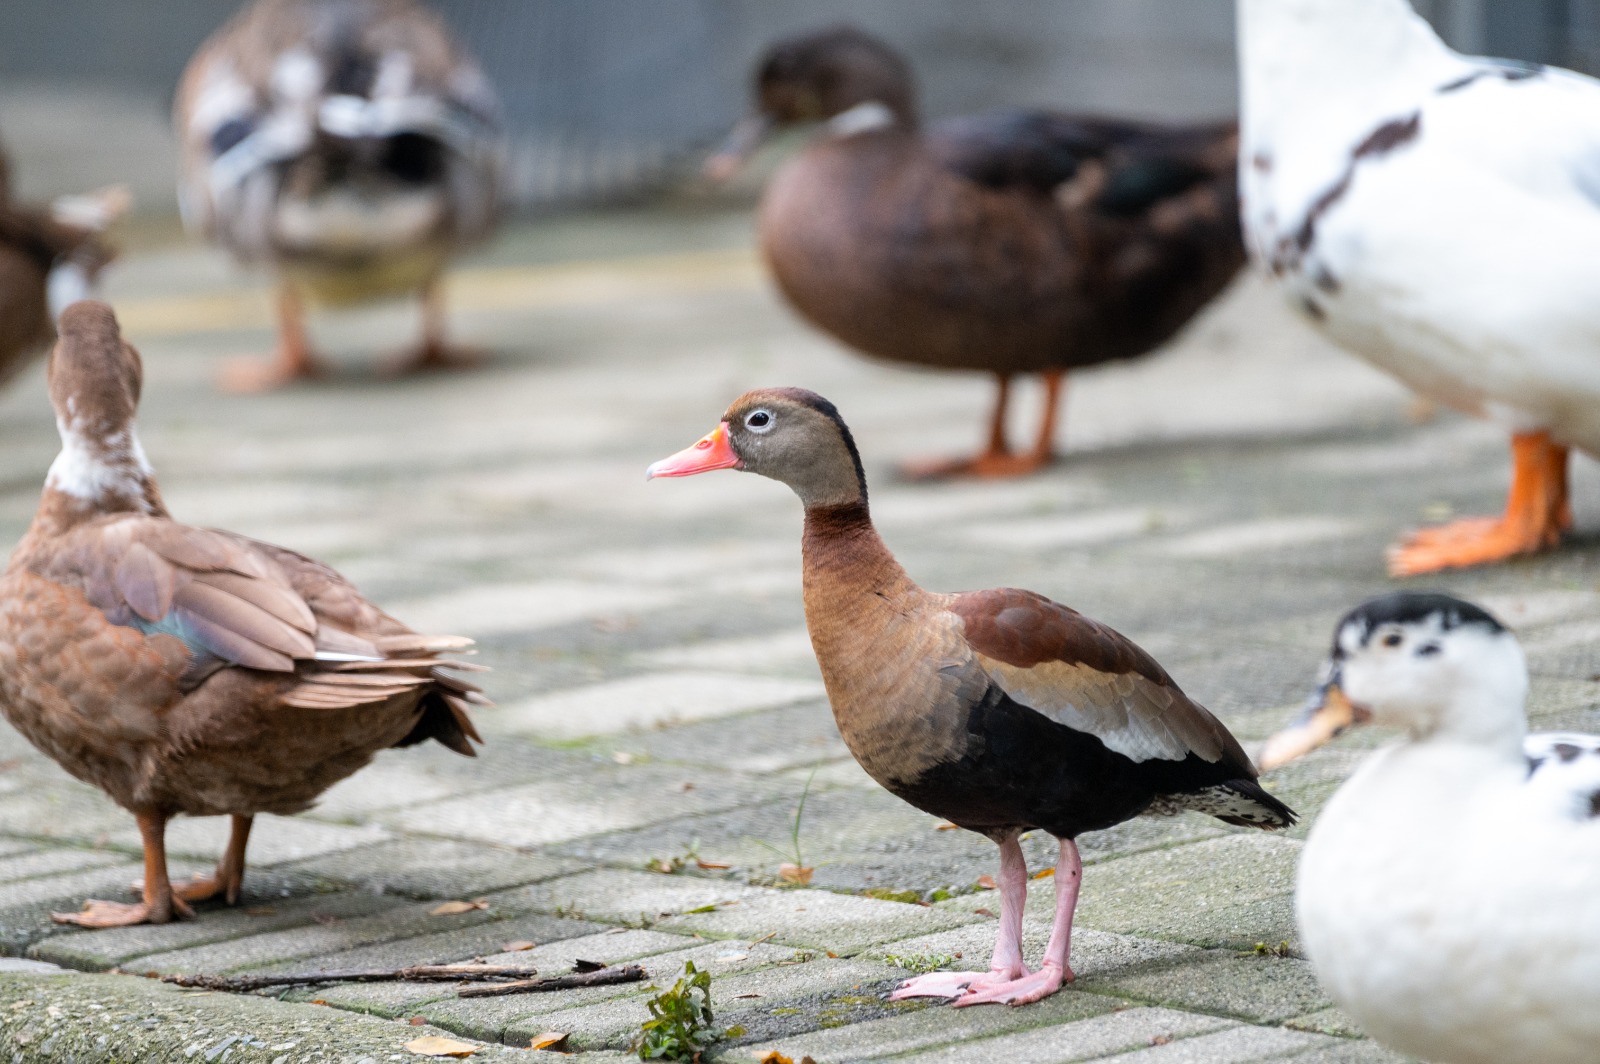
[189, 670]
[999, 710]
[1011, 242]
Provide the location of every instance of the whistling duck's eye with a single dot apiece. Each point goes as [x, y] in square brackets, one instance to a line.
[1393, 639]
[758, 421]
[1428, 650]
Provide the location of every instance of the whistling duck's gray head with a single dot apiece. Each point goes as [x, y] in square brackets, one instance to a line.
[95, 378]
[839, 75]
[1428, 663]
[788, 434]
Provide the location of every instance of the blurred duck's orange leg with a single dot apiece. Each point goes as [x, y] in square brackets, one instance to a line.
[159, 906]
[435, 352]
[998, 460]
[292, 361]
[1537, 512]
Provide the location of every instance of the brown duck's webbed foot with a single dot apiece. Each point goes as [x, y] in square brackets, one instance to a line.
[997, 460]
[435, 354]
[291, 362]
[160, 904]
[228, 879]
[1537, 511]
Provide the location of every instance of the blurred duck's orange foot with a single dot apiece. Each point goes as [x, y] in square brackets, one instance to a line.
[97, 913]
[990, 465]
[432, 356]
[1537, 512]
[251, 376]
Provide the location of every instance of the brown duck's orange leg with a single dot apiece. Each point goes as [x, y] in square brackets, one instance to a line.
[434, 352]
[1537, 512]
[291, 362]
[998, 460]
[159, 906]
[228, 879]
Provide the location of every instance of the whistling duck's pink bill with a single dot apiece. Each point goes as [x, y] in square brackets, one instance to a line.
[711, 451]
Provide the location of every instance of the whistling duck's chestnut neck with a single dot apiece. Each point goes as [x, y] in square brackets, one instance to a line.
[94, 385]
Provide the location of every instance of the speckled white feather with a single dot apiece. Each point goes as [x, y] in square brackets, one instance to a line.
[115, 467]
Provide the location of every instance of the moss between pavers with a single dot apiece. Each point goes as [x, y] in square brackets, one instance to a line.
[1332, 1021]
[111, 1018]
[934, 1025]
[1262, 989]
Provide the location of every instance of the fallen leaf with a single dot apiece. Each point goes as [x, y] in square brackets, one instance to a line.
[318, 1001]
[1161, 1040]
[945, 825]
[986, 882]
[831, 955]
[417, 1021]
[1044, 873]
[708, 866]
[433, 1046]
[518, 946]
[556, 1041]
[687, 786]
[456, 908]
[580, 965]
[662, 865]
[622, 757]
[747, 995]
[793, 873]
[260, 910]
[982, 912]
[773, 1057]
[701, 909]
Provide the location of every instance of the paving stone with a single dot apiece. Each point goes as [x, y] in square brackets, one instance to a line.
[1079, 1039]
[606, 798]
[785, 652]
[801, 735]
[819, 919]
[617, 896]
[648, 701]
[1261, 989]
[273, 839]
[1236, 1045]
[92, 1017]
[17, 863]
[1096, 955]
[433, 868]
[875, 1039]
[1325, 1021]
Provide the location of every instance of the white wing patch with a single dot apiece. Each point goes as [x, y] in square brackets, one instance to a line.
[1131, 715]
[1564, 769]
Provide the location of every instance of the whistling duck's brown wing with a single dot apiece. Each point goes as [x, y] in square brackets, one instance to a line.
[1091, 678]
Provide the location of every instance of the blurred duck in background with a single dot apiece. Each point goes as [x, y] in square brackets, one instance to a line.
[349, 145]
[1447, 894]
[1012, 242]
[50, 257]
[1438, 215]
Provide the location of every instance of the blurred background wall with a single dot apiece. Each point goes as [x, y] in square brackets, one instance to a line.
[614, 98]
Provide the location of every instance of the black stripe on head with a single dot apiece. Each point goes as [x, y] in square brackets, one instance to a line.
[1414, 607]
[806, 397]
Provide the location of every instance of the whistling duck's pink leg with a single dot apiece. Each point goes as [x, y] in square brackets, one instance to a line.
[1055, 971]
[998, 460]
[1538, 510]
[434, 352]
[228, 879]
[292, 361]
[1006, 963]
[159, 906]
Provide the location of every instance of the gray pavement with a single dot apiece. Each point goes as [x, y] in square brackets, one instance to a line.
[1221, 503]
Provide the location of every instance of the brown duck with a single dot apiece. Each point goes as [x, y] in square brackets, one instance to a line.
[190, 670]
[48, 257]
[999, 710]
[1012, 242]
[351, 145]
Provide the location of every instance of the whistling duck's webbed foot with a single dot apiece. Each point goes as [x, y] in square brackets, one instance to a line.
[1537, 512]
[997, 461]
[1054, 973]
[953, 984]
[1024, 991]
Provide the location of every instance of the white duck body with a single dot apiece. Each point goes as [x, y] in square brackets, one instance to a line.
[1434, 213]
[1448, 894]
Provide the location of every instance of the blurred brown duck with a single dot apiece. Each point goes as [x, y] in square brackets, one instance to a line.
[998, 710]
[189, 670]
[350, 145]
[49, 257]
[1014, 242]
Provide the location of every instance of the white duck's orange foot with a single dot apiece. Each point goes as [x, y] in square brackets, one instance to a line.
[952, 984]
[1024, 991]
[96, 913]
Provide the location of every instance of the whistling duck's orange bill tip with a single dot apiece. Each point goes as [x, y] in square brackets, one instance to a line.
[711, 451]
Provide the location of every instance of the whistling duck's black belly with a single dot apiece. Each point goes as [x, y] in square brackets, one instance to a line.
[1021, 770]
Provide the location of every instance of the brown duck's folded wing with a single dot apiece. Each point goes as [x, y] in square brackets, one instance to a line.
[1091, 678]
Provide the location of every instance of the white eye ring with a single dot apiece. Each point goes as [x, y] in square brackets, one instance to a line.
[759, 421]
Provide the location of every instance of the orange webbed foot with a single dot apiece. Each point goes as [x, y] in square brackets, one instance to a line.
[201, 887]
[96, 913]
[1472, 541]
[435, 357]
[252, 376]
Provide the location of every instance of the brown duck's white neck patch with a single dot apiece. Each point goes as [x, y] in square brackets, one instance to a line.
[100, 468]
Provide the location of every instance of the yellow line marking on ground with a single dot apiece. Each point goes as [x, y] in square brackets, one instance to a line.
[501, 288]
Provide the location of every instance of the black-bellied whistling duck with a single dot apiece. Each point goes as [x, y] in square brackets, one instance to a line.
[998, 710]
[1013, 242]
[350, 145]
[49, 257]
[189, 670]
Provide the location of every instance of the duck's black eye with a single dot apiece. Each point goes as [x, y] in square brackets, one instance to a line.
[1393, 639]
[758, 421]
[1428, 650]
